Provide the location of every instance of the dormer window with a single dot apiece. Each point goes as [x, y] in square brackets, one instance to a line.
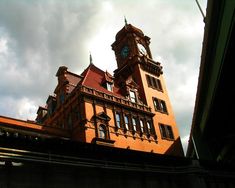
[109, 86]
[132, 96]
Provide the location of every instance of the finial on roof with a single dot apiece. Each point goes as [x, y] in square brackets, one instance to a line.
[125, 20]
[91, 62]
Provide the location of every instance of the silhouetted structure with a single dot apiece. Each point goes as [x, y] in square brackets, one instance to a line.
[212, 135]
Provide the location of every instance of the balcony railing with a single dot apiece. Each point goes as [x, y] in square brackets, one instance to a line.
[115, 99]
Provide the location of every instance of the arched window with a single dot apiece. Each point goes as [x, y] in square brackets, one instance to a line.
[102, 132]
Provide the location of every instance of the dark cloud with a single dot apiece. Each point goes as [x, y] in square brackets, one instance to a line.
[41, 36]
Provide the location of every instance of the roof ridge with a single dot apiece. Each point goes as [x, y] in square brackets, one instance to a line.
[84, 74]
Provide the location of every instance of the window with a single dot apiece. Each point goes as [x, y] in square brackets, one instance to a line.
[156, 104]
[170, 132]
[132, 96]
[134, 124]
[102, 132]
[118, 120]
[50, 109]
[159, 85]
[141, 126]
[159, 105]
[166, 131]
[61, 98]
[109, 86]
[126, 119]
[154, 82]
[149, 127]
[148, 80]
[70, 123]
[163, 106]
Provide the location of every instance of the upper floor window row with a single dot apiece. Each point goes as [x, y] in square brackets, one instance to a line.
[154, 83]
[135, 124]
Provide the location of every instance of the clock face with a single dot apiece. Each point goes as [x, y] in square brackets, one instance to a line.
[125, 51]
[142, 49]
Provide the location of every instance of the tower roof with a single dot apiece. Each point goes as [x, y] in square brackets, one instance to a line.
[129, 28]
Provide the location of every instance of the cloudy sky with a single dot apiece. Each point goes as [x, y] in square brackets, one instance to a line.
[38, 36]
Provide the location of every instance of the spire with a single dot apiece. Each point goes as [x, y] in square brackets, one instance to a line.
[91, 62]
[125, 21]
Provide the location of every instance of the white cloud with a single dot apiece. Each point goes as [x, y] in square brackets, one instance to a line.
[184, 141]
[3, 46]
[22, 108]
[27, 109]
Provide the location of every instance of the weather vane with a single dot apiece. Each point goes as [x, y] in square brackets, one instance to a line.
[125, 20]
[91, 62]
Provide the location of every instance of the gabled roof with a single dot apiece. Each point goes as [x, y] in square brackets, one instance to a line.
[95, 77]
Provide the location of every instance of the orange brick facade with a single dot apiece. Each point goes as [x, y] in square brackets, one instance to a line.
[130, 109]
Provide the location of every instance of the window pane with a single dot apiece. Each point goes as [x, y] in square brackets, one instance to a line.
[159, 84]
[156, 104]
[163, 106]
[170, 132]
[132, 96]
[109, 86]
[134, 123]
[126, 122]
[118, 120]
[70, 121]
[163, 131]
[61, 98]
[148, 80]
[141, 126]
[149, 127]
[155, 83]
[102, 131]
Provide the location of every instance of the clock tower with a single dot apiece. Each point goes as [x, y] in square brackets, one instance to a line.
[133, 56]
[130, 41]
[136, 66]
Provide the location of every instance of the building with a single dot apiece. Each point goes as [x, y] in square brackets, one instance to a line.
[130, 109]
[212, 134]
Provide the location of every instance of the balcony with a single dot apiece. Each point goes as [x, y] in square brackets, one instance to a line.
[115, 99]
